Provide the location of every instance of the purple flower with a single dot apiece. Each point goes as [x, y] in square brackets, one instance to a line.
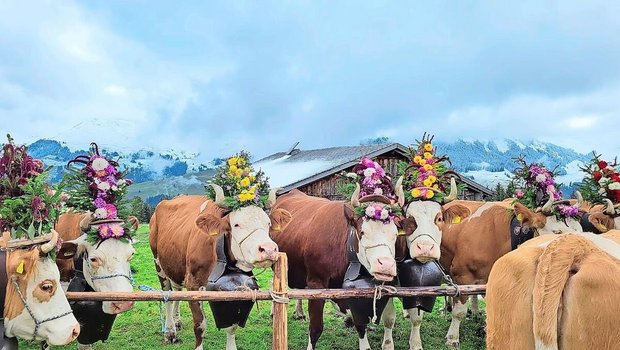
[568, 211]
[99, 203]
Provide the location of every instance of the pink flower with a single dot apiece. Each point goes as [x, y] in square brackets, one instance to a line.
[519, 194]
[551, 189]
[117, 230]
[112, 212]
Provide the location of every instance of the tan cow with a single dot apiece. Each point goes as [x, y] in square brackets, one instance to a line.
[35, 306]
[183, 237]
[470, 249]
[557, 292]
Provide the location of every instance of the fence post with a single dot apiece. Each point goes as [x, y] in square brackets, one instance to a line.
[280, 310]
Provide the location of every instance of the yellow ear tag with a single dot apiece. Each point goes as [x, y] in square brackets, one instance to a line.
[602, 228]
[401, 232]
[20, 268]
[213, 233]
[520, 217]
[456, 220]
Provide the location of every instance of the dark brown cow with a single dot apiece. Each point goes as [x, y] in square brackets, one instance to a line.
[183, 237]
[316, 245]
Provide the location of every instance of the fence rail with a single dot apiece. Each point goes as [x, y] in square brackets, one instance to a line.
[278, 293]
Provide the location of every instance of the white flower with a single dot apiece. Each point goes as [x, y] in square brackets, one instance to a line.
[603, 181]
[352, 176]
[369, 171]
[378, 191]
[101, 213]
[614, 186]
[384, 214]
[370, 211]
[120, 182]
[541, 178]
[114, 188]
[601, 191]
[103, 186]
[100, 164]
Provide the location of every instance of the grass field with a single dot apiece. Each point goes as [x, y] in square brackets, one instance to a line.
[140, 328]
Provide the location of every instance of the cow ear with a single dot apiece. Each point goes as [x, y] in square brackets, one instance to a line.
[406, 226]
[279, 220]
[22, 263]
[528, 218]
[67, 251]
[601, 221]
[349, 213]
[455, 214]
[213, 225]
[401, 248]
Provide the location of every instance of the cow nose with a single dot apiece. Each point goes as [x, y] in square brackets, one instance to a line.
[268, 249]
[75, 331]
[423, 249]
[121, 306]
[387, 265]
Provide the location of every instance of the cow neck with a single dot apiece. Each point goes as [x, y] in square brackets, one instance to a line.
[518, 234]
[586, 225]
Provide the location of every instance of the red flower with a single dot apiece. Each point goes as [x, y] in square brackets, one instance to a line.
[597, 175]
[614, 195]
[602, 164]
[615, 177]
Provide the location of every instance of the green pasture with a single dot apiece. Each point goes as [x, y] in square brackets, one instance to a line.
[140, 328]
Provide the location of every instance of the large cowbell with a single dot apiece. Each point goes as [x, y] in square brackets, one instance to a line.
[412, 273]
[95, 324]
[226, 277]
[358, 277]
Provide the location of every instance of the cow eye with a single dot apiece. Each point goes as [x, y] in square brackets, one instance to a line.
[237, 225]
[440, 219]
[47, 287]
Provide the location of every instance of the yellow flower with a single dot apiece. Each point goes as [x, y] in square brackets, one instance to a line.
[422, 162]
[430, 194]
[417, 159]
[428, 167]
[233, 169]
[232, 161]
[245, 182]
[427, 183]
[247, 170]
[252, 178]
[432, 179]
[436, 186]
[428, 147]
[240, 161]
[415, 193]
[428, 155]
[238, 172]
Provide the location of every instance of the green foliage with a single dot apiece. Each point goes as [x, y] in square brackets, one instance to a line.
[139, 209]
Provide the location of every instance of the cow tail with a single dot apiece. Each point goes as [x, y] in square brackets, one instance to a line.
[153, 233]
[555, 266]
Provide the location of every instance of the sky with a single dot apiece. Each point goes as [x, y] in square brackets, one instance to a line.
[217, 77]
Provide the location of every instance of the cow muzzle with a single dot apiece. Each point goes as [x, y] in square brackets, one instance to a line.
[384, 269]
[267, 253]
[425, 251]
[117, 307]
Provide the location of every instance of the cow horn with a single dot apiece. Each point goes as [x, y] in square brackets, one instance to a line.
[355, 198]
[85, 222]
[400, 193]
[219, 196]
[546, 209]
[47, 247]
[579, 199]
[610, 207]
[453, 192]
[272, 197]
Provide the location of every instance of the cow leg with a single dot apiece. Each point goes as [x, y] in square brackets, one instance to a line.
[231, 342]
[474, 305]
[363, 337]
[389, 318]
[200, 322]
[459, 311]
[176, 310]
[415, 341]
[299, 311]
[85, 346]
[315, 310]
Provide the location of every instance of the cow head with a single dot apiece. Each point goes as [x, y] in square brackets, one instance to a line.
[606, 219]
[544, 221]
[106, 265]
[425, 220]
[249, 228]
[376, 235]
[34, 275]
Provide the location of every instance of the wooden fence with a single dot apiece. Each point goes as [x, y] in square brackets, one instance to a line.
[279, 295]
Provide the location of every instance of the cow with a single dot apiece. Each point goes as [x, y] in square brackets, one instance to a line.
[34, 307]
[470, 249]
[316, 245]
[184, 232]
[102, 267]
[557, 292]
[600, 218]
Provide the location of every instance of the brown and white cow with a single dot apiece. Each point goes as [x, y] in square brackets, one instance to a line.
[470, 249]
[35, 306]
[315, 242]
[557, 292]
[425, 223]
[184, 231]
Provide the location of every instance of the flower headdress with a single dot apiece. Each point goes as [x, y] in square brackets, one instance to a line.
[99, 187]
[29, 206]
[426, 176]
[601, 183]
[236, 185]
[374, 197]
[536, 187]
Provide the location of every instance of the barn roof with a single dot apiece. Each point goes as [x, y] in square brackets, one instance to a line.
[296, 168]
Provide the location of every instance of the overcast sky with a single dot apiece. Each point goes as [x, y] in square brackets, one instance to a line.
[215, 78]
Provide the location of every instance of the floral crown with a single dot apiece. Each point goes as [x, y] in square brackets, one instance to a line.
[29, 206]
[241, 186]
[374, 197]
[426, 176]
[535, 187]
[99, 187]
[601, 182]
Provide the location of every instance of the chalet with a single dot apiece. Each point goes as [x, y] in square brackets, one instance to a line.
[316, 172]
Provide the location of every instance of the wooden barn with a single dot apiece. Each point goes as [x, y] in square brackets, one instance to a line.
[316, 172]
